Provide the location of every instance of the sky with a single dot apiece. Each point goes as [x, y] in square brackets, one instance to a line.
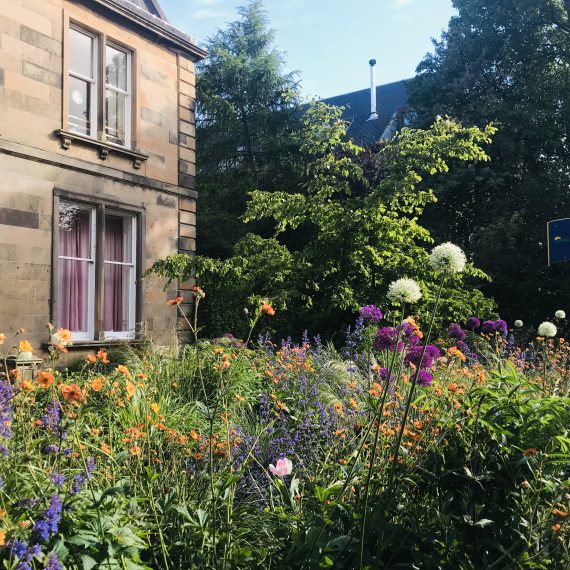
[329, 42]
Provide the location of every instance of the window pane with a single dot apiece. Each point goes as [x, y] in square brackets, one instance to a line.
[74, 231]
[116, 68]
[79, 106]
[118, 238]
[75, 275]
[118, 287]
[80, 53]
[115, 111]
[73, 301]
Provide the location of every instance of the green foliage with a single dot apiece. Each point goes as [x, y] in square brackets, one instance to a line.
[342, 239]
[247, 117]
[506, 62]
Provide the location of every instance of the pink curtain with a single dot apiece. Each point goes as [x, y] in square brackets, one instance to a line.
[74, 241]
[116, 282]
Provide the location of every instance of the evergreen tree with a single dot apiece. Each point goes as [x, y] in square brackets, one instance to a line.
[506, 62]
[247, 117]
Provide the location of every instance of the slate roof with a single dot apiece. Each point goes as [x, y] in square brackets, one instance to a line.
[148, 17]
[150, 6]
[391, 106]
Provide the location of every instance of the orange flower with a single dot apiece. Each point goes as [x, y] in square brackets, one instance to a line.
[198, 292]
[155, 407]
[61, 347]
[64, 335]
[454, 351]
[91, 358]
[72, 393]
[2, 338]
[176, 301]
[131, 388]
[97, 384]
[417, 332]
[239, 398]
[25, 346]
[135, 450]
[45, 379]
[2, 537]
[105, 448]
[123, 370]
[338, 407]
[27, 386]
[529, 452]
[556, 527]
[452, 387]
[267, 308]
[102, 356]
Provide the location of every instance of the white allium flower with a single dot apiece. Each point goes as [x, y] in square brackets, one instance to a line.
[547, 329]
[518, 323]
[404, 291]
[448, 257]
[560, 314]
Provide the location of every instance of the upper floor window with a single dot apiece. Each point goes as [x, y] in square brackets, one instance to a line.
[99, 107]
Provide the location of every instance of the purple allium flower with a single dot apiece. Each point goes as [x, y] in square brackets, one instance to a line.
[489, 327]
[385, 339]
[371, 313]
[52, 562]
[455, 331]
[425, 378]
[463, 347]
[415, 352]
[501, 326]
[472, 323]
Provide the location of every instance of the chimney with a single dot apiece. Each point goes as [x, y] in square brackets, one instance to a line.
[373, 113]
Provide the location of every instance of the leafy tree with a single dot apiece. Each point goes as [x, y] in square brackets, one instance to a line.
[247, 119]
[506, 62]
[360, 241]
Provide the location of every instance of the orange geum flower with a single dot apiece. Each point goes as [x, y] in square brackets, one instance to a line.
[452, 387]
[529, 452]
[97, 384]
[556, 527]
[454, 351]
[124, 370]
[2, 537]
[102, 356]
[72, 393]
[45, 378]
[27, 386]
[239, 398]
[267, 308]
[155, 407]
[131, 388]
[64, 335]
[2, 338]
[25, 346]
[91, 358]
[135, 450]
[176, 301]
[559, 513]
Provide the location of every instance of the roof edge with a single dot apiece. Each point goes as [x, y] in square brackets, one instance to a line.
[380, 86]
[156, 26]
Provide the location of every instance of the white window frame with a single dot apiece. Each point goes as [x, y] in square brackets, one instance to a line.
[127, 93]
[92, 260]
[93, 81]
[132, 290]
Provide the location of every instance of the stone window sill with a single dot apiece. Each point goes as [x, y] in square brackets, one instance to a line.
[91, 344]
[104, 148]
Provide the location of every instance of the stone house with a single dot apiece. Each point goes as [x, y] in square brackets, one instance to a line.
[97, 167]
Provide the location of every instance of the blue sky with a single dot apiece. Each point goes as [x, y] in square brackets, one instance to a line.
[330, 41]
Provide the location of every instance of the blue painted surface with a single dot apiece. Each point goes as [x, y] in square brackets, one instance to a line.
[558, 241]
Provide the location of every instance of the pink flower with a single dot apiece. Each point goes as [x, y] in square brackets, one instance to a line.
[284, 467]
